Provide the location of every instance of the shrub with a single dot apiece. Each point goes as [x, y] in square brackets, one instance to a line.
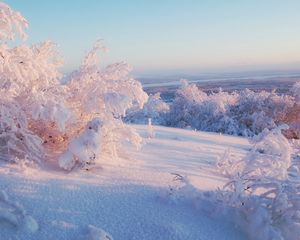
[155, 109]
[245, 113]
[43, 119]
[261, 192]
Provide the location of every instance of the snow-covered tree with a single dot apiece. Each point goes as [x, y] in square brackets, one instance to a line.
[40, 118]
[244, 113]
[185, 106]
[194, 108]
[100, 97]
[12, 23]
[31, 94]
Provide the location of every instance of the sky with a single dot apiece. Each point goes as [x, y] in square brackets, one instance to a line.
[169, 36]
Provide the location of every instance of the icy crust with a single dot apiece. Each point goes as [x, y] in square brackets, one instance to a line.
[12, 23]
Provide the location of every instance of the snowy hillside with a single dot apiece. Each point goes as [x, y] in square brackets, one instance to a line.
[73, 167]
[129, 198]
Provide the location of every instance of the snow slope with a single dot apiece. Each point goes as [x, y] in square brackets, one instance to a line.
[127, 197]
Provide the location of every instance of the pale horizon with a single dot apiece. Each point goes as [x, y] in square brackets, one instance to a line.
[160, 37]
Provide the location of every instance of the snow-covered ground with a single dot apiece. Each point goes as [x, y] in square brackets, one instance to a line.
[128, 198]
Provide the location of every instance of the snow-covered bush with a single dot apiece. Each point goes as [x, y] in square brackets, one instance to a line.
[84, 149]
[194, 108]
[266, 201]
[41, 118]
[17, 141]
[292, 115]
[29, 89]
[296, 91]
[244, 113]
[181, 190]
[184, 109]
[99, 98]
[253, 112]
[155, 109]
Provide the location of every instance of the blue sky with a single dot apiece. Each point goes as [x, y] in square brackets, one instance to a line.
[171, 35]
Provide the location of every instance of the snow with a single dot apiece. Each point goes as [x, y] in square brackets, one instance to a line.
[97, 234]
[84, 148]
[71, 169]
[129, 200]
[13, 214]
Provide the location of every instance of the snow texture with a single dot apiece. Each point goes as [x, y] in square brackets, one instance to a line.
[95, 233]
[129, 201]
[14, 214]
